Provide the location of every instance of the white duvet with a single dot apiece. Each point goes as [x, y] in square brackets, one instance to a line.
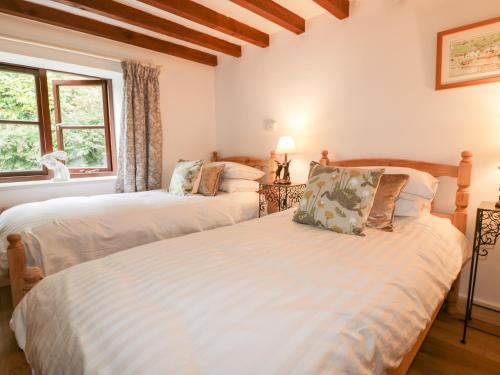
[267, 296]
[62, 232]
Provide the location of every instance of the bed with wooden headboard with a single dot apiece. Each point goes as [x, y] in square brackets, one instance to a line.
[22, 278]
[266, 295]
[462, 173]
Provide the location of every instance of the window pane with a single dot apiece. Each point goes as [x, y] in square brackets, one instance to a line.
[81, 105]
[18, 96]
[19, 148]
[51, 76]
[85, 148]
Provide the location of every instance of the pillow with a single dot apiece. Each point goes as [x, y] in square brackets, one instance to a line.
[232, 185]
[338, 199]
[382, 212]
[412, 205]
[239, 171]
[210, 180]
[183, 176]
[421, 184]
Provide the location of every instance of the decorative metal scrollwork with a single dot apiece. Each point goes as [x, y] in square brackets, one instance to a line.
[488, 232]
[282, 197]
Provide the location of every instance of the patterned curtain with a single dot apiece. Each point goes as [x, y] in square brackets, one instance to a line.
[140, 150]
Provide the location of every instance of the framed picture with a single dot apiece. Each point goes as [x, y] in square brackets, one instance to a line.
[468, 55]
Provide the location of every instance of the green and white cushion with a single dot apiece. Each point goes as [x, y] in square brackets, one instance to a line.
[339, 199]
[184, 175]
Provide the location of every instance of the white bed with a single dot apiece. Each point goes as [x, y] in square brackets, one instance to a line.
[62, 232]
[267, 296]
[49, 236]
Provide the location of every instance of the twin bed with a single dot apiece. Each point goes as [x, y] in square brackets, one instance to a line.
[63, 232]
[262, 296]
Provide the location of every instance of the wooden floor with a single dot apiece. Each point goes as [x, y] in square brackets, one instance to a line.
[11, 357]
[441, 353]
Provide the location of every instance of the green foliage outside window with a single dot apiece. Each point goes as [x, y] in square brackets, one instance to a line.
[20, 144]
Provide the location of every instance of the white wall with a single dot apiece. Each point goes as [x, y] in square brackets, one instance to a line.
[187, 96]
[364, 87]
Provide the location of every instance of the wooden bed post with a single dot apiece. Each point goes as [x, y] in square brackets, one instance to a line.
[215, 156]
[22, 278]
[459, 219]
[324, 158]
[462, 196]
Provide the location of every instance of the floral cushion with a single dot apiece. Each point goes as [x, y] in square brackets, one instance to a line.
[339, 199]
[184, 175]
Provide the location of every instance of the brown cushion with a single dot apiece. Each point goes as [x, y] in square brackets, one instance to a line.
[382, 212]
[210, 179]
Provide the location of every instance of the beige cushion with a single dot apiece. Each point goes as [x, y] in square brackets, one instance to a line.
[382, 212]
[338, 199]
[210, 179]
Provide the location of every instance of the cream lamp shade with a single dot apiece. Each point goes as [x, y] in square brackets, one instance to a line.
[286, 145]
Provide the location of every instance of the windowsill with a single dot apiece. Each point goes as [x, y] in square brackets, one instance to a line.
[45, 183]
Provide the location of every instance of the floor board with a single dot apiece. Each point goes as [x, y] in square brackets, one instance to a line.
[441, 354]
[12, 361]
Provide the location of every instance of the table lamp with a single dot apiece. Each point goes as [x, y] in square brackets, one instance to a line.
[286, 145]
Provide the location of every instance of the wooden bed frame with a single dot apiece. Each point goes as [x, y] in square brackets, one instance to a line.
[22, 278]
[462, 172]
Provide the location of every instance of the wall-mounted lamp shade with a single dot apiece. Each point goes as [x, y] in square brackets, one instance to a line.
[286, 145]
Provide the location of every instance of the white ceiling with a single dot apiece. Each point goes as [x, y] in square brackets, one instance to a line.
[304, 8]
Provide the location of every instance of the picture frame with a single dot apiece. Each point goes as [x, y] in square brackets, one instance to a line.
[468, 55]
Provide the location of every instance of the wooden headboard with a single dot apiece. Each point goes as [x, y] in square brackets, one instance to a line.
[462, 172]
[266, 165]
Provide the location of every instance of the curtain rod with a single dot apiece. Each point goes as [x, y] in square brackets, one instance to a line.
[39, 44]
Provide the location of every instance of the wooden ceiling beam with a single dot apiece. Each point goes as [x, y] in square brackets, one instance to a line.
[70, 21]
[339, 8]
[124, 13]
[275, 13]
[205, 16]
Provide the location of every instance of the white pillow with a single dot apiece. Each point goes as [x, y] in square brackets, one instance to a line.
[234, 185]
[238, 171]
[421, 184]
[412, 205]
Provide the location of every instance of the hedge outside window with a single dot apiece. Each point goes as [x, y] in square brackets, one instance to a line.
[42, 111]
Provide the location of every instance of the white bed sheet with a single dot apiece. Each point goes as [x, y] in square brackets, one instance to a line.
[62, 232]
[267, 296]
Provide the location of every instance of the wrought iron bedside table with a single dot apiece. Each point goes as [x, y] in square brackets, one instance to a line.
[486, 234]
[279, 197]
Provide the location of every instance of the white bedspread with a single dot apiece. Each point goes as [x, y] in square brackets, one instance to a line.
[267, 296]
[62, 232]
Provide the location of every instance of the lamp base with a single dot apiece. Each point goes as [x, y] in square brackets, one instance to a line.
[282, 182]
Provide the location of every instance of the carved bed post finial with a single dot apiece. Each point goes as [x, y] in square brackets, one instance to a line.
[324, 158]
[462, 196]
[22, 278]
[215, 156]
[17, 264]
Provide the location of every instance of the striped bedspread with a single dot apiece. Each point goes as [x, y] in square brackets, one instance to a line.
[59, 233]
[267, 296]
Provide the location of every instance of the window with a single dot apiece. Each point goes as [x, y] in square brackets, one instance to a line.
[42, 111]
